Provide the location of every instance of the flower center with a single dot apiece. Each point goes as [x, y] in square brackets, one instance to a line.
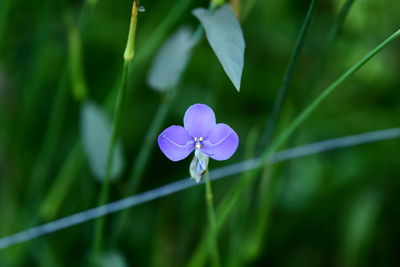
[198, 142]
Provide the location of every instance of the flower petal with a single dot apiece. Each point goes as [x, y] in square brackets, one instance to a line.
[175, 143]
[199, 120]
[221, 143]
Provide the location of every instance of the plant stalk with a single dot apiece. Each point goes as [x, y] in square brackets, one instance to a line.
[118, 108]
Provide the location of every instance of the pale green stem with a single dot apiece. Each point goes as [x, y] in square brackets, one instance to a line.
[122, 90]
[75, 64]
[212, 222]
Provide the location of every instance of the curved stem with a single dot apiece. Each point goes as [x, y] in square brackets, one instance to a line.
[212, 222]
[118, 108]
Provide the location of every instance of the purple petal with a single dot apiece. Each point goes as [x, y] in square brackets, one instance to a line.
[199, 120]
[221, 143]
[175, 143]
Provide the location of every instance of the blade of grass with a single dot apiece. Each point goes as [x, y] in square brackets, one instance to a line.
[240, 216]
[330, 41]
[256, 238]
[280, 97]
[247, 165]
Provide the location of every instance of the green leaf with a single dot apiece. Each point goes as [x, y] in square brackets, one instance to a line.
[170, 60]
[96, 135]
[113, 258]
[225, 36]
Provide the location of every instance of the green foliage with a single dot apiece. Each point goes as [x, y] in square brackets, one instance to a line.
[225, 36]
[170, 61]
[96, 139]
[336, 208]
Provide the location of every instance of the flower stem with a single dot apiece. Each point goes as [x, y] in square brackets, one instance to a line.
[212, 222]
[118, 108]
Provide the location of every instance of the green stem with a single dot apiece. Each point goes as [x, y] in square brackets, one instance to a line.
[273, 118]
[239, 217]
[62, 183]
[141, 160]
[231, 199]
[212, 222]
[144, 152]
[4, 12]
[268, 190]
[118, 108]
[333, 34]
[79, 87]
[52, 133]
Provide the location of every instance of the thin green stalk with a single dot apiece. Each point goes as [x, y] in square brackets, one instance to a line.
[231, 199]
[142, 158]
[267, 192]
[146, 148]
[118, 108]
[212, 222]
[153, 41]
[237, 233]
[4, 11]
[332, 36]
[52, 133]
[77, 74]
[62, 182]
[99, 225]
[273, 118]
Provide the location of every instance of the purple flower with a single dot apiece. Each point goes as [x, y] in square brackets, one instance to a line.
[200, 133]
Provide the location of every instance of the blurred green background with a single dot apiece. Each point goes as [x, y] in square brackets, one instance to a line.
[337, 208]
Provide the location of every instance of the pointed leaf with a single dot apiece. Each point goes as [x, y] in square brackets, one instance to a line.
[225, 36]
[96, 135]
[170, 61]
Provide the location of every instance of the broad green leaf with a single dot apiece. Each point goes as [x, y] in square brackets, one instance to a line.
[114, 259]
[96, 136]
[225, 36]
[170, 61]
